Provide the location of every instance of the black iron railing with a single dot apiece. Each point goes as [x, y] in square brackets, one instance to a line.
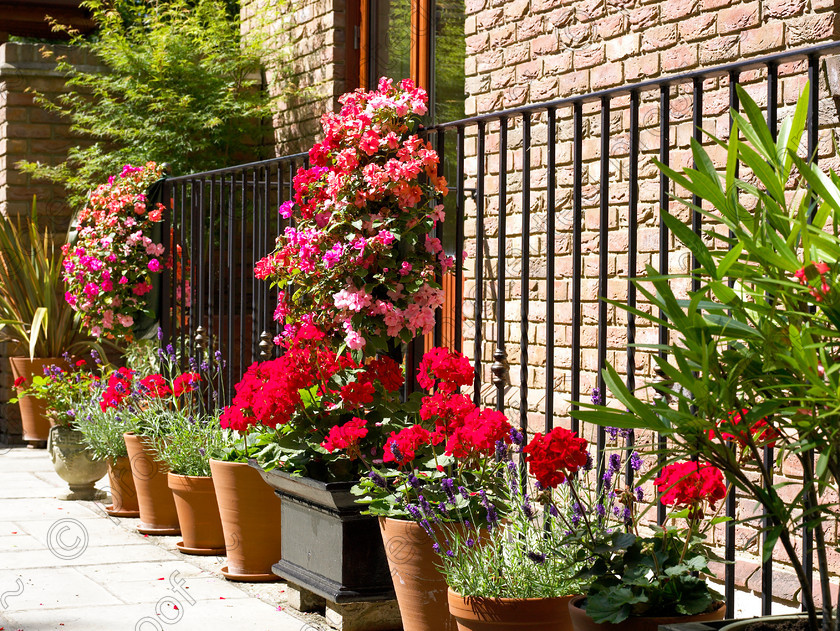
[581, 166]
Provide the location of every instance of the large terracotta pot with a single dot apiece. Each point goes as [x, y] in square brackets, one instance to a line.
[33, 411]
[158, 515]
[582, 622]
[250, 513]
[198, 514]
[75, 463]
[418, 583]
[123, 493]
[493, 614]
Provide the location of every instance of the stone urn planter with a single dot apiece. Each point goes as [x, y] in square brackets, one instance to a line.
[75, 463]
[329, 547]
[33, 411]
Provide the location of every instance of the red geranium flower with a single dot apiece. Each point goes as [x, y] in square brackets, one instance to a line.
[155, 386]
[690, 484]
[386, 371]
[555, 456]
[185, 382]
[401, 447]
[357, 394]
[482, 429]
[346, 436]
[450, 368]
[20, 381]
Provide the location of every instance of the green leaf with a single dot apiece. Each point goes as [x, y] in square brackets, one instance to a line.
[41, 317]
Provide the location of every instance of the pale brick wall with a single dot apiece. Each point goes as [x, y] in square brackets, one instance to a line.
[529, 51]
[309, 36]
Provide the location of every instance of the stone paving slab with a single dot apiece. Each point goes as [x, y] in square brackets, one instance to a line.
[67, 566]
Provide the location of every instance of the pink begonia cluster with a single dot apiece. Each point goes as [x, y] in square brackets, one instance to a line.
[359, 261]
[108, 270]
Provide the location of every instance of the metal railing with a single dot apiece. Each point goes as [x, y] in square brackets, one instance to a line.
[542, 156]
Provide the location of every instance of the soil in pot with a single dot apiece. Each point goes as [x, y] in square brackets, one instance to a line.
[123, 493]
[198, 514]
[798, 624]
[419, 585]
[582, 622]
[250, 514]
[158, 515]
[510, 614]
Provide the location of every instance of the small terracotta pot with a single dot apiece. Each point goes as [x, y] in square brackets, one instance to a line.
[418, 583]
[198, 514]
[493, 614]
[33, 411]
[123, 493]
[250, 513]
[158, 515]
[583, 622]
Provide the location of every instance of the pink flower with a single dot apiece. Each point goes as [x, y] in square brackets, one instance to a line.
[91, 290]
[154, 265]
[123, 280]
[354, 340]
[405, 268]
[125, 320]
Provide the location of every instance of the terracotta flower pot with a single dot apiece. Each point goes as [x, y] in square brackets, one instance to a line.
[33, 411]
[250, 513]
[123, 493]
[198, 514]
[492, 614]
[157, 507]
[582, 622]
[419, 585]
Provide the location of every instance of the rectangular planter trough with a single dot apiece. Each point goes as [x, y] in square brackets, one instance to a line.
[328, 546]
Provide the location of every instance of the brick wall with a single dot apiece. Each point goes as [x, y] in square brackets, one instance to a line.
[528, 51]
[307, 39]
[27, 132]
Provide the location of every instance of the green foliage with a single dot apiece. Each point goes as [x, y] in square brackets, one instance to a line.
[190, 442]
[180, 86]
[33, 311]
[647, 576]
[61, 390]
[759, 335]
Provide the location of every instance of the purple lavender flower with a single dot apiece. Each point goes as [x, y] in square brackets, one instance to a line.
[395, 449]
[596, 396]
[640, 494]
[95, 356]
[607, 478]
[218, 356]
[378, 480]
[627, 517]
[615, 463]
[470, 542]
[450, 554]
[448, 485]
[536, 557]
[517, 437]
[492, 516]
[424, 504]
[201, 451]
[600, 510]
[527, 508]
[205, 366]
[635, 461]
[501, 450]
[414, 481]
[612, 432]
[464, 493]
[414, 511]
[436, 548]
[552, 510]
[589, 462]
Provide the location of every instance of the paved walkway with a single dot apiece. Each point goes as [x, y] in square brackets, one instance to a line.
[67, 566]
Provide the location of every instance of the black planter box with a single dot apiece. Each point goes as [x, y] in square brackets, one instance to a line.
[328, 546]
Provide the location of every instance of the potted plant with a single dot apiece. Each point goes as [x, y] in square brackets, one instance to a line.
[102, 428]
[186, 450]
[60, 391]
[295, 400]
[33, 312]
[753, 360]
[446, 449]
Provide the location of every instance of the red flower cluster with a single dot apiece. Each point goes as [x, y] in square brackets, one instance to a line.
[450, 368]
[357, 394]
[690, 484]
[119, 387]
[401, 447]
[449, 411]
[482, 429]
[155, 386]
[19, 382]
[386, 371]
[762, 433]
[821, 289]
[346, 436]
[555, 456]
[185, 382]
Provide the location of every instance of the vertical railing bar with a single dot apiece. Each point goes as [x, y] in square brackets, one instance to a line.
[224, 316]
[729, 528]
[697, 135]
[577, 263]
[664, 158]
[242, 226]
[603, 265]
[632, 262]
[499, 353]
[201, 286]
[768, 456]
[459, 244]
[525, 280]
[479, 262]
[440, 141]
[228, 369]
[167, 286]
[185, 243]
[264, 247]
[255, 293]
[210, 267]
[551, 183]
